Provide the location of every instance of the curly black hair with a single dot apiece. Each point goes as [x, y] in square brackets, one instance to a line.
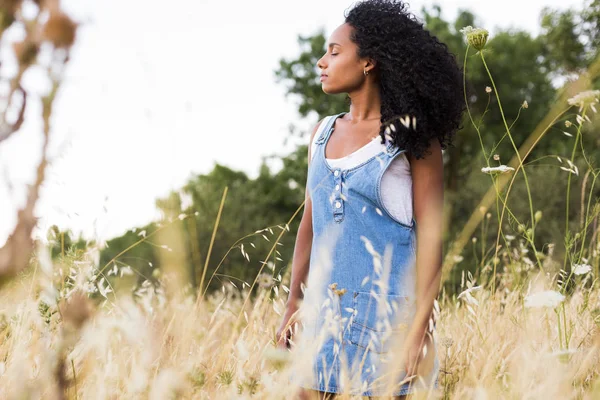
[418, 75]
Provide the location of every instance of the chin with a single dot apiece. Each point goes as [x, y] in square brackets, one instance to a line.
[329, 90]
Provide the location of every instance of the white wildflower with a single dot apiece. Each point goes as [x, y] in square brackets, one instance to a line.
[446, 341]
[265, 280]
[500, 168]
[546, 298]
[587, 98]
[580, 269]
[476, 37]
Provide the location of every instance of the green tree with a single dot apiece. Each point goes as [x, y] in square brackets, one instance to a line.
[525, 69]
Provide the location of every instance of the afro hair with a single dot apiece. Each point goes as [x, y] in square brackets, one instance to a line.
[420, 80]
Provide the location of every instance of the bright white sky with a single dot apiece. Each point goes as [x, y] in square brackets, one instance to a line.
[157, 91]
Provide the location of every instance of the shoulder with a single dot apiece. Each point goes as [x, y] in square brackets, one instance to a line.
[313, 134]
[430, 166]
[316, 129]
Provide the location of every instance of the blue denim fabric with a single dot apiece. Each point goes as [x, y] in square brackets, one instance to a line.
[367, 252]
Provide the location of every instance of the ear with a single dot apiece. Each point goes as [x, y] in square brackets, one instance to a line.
[370, 63]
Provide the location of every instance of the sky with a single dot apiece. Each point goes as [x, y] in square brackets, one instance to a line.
[156, 92]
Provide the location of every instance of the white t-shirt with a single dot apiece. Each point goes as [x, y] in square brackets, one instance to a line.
[396, 183]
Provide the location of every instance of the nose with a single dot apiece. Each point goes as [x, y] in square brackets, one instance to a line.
[320, 64]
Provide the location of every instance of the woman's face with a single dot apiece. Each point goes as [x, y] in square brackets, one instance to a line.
[340, 64]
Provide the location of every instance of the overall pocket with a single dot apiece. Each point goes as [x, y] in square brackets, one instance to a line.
[379, 330]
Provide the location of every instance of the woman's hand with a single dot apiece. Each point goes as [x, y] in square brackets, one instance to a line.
[413, 360]
[288, 327]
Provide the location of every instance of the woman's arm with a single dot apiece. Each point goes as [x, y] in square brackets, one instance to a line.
[428, 200]
[302, 247]
[300, 265]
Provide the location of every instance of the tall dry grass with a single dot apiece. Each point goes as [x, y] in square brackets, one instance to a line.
[159, 346]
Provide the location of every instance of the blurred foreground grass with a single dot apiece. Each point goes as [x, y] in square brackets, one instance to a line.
[150, 344]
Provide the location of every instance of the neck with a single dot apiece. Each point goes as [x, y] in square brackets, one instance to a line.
[366, 104]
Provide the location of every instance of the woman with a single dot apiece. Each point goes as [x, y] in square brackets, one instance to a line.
[375, 174]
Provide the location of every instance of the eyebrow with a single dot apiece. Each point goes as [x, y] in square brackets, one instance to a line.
[334, 44]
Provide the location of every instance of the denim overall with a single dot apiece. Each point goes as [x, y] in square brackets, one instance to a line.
[360, 290]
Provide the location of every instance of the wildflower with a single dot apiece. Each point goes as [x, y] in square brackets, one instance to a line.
[538, 216]
[580, 269]
[496, 157]
[334, 289]
[488, 89]
[546, 298]
[568, 123]
[587, 98]
[476, 37]
[447, 341]
[265, 280]
[501, 168]
[525, 104]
